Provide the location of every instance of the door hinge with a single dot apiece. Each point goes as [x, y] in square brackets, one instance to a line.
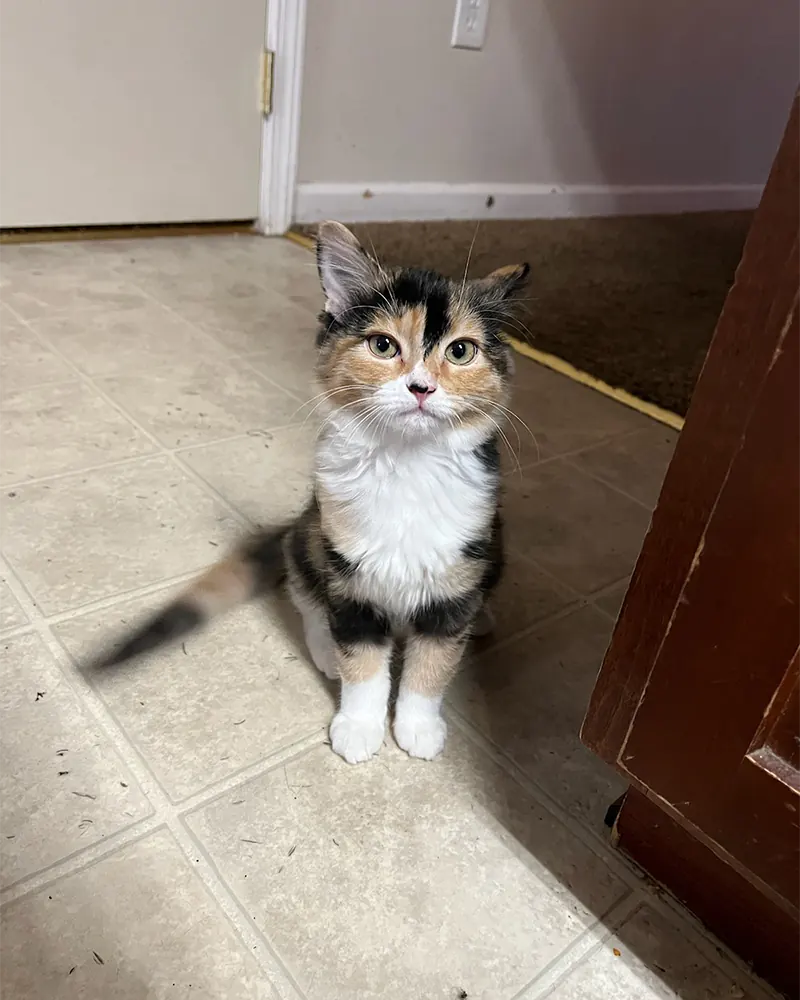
[267, 62]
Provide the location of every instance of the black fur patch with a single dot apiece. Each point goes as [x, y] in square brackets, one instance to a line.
[264, 555]
[354, 622]
[303, 563]
[176, 621]
[338, 563]
[479, 548]
[446, 619]
[489, 454]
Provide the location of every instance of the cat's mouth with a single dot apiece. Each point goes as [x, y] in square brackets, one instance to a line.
[420, 415]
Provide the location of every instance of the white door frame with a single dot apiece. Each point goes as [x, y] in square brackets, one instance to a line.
[285, 36]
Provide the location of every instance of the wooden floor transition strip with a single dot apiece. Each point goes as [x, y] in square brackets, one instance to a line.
[161, 229]
[556, 364]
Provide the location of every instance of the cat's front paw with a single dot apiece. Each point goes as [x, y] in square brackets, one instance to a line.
[356, 739]
[420, 735]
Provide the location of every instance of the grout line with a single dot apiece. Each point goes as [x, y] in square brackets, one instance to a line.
[164, 812]
[100, 466]
[612, 486]
[254, 939]
[578, 951]
[162, 450]
[531, 630]
[585, 834]
[85, 857]
[614, 436]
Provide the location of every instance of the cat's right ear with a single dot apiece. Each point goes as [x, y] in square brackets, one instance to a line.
[345, 270]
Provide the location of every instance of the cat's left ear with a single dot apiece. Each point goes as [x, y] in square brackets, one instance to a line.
[504, 284]
[345, 270]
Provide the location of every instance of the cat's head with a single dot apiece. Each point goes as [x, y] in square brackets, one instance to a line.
[408, 351]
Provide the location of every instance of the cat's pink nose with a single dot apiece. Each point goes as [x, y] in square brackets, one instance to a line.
[421, 392]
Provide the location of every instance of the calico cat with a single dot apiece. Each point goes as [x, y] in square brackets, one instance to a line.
[401, 538]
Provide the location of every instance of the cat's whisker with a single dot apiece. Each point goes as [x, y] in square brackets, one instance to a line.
[499, 430]
[514, 416]
[469, 258]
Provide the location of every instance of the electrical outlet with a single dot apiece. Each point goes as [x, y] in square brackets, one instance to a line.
[469, 26]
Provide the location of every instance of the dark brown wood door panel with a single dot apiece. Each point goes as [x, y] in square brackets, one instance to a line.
[698, 699]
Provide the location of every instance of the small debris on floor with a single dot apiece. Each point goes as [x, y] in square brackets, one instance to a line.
[248, 840]
[239, 723]
[62, 773]
[98, 959]
[617, 952]
[85, 795]
[462, 995]
[40, 695]
[183, 647]
[291, 851]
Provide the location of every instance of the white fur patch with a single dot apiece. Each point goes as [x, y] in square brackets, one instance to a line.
[358, 727]
[419, 727]
[413, 505]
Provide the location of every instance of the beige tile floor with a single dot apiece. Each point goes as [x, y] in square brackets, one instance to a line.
[180, 828]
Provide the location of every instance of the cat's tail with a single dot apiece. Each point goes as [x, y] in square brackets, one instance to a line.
[255, 567]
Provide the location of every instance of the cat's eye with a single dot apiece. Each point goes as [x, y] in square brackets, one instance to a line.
[461, 352]
[383, 346]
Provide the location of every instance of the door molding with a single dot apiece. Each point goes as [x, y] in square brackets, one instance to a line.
[285, 36]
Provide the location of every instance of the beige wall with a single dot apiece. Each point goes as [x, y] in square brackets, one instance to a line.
[619, 92]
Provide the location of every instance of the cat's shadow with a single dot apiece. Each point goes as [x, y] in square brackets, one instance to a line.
[279, 605]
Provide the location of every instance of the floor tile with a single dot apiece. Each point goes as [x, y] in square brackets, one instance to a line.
[222, 700]
[267, 476]
[611, 601]
[40, 291]
[52, 429]
[245, 315]
[277, 325]
[11, 614]
[130, 340]
[564, 415]
[25, 361]
[291, 366]
[63, 786]
[402, 878]
[138, 925]
[529, 698]
[651, 959]
[99, 533]
[201, 401]
[582, 531]
[525, 596]
[635, 463]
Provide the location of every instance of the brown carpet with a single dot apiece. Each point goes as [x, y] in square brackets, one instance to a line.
[632, 301]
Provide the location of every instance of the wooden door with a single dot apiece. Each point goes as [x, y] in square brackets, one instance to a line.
[697, 700]
[145, 111]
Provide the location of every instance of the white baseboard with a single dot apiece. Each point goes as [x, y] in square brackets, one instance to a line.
[410, 202]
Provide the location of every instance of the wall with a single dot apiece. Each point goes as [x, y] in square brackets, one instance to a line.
[614, 102]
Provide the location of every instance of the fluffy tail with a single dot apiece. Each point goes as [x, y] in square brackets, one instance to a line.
[256, 566]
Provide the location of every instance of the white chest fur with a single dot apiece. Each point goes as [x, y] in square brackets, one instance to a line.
[406, 512]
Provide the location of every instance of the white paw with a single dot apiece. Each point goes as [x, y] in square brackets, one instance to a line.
[356, 739]
[420, 735]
